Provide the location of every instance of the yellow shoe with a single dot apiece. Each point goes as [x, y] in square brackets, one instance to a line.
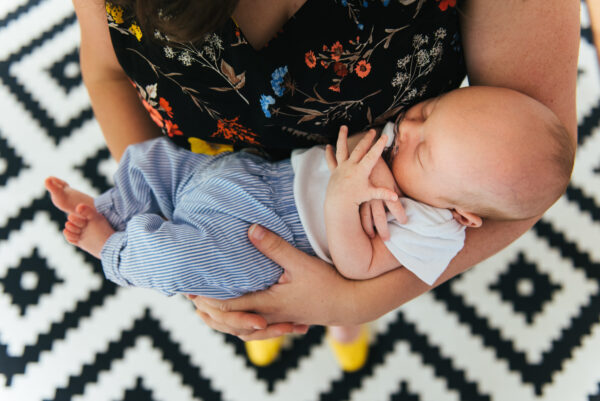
[263, 352]
[351, 356]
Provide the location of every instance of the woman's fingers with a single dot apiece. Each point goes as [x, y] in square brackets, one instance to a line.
[235, 322]
[275, 330]
[277, 249]
[247, 326]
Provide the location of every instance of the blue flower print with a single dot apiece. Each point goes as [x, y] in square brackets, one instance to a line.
[265, 102]
[277, 80]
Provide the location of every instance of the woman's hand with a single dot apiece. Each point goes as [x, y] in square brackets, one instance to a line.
[309, 292]
[245, 325]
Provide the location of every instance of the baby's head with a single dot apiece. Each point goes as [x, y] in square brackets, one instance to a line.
[483, 152]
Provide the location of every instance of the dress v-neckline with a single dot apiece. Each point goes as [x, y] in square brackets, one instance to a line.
[301, 10]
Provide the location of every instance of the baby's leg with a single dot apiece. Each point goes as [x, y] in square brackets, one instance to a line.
[64, 197]
[87, 229]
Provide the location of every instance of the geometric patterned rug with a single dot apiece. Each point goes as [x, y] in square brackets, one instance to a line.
[523, 325]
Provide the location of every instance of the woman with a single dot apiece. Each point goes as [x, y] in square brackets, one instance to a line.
[281, 74]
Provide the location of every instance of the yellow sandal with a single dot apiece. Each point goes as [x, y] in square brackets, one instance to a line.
[353, 355]
[263, 352]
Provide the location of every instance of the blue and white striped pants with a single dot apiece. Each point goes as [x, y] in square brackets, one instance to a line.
[209, 203]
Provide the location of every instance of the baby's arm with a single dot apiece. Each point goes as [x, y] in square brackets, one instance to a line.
[354, 253]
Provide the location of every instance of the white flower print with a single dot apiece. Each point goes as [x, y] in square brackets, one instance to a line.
[403, 61]
[422, 58]
[169, 52]
[151, 90]
[440, 33]
[185, 58]
[411, 67]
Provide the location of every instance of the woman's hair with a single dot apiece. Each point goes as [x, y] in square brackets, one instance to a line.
[179, 20]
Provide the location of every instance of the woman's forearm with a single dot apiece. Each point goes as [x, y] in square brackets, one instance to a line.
[117, 108]
[121, 116]
[375, 297]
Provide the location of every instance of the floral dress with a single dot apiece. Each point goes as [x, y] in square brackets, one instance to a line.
[334, 62]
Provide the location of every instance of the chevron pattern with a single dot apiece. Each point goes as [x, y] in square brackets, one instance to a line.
[525, 325]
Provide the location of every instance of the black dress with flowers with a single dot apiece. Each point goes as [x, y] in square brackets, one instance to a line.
[335, 62]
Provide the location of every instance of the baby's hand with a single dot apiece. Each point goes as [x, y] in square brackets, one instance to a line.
[349, 181]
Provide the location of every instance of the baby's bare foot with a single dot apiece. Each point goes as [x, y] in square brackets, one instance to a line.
[87, 229]
[64, 197]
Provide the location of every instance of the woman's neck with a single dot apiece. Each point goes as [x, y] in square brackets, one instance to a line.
[260, 20]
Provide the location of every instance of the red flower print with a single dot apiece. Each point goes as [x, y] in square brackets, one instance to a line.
[172, 129]
[340, 69]
[310, 59]
[335, 88]
[336, 51]
[164, 104]
[234, 131]
[444, 4]
[154, 114]
[363, 68]
[324, 64]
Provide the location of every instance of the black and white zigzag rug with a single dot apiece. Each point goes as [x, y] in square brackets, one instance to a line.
[524, 325]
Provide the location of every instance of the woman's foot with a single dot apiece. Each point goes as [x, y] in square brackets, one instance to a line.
[350, 346]
[263, 352]
[87, 229]
[64, 197]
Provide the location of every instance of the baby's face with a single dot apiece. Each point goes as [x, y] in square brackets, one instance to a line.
[479, 144]
[432, 140]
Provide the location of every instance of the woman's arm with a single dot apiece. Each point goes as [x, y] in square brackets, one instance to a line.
[531, 46]
[116, 105]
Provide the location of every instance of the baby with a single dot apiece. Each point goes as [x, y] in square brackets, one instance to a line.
[177, 221]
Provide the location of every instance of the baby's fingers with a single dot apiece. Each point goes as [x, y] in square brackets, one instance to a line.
[370, 159]
[362, 147]
[366, 219]
[380, 219]
[383, 193]
[330, 158]
[397, 210]
[341, 149]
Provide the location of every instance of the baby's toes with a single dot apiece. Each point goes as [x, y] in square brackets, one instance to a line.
[86, 211]
[54, 184]
[77, 220]
[70, 236]
[72, 228]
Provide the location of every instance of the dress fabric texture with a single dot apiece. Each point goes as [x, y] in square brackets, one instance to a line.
[334, 62]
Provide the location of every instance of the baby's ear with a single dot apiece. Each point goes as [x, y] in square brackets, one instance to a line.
[467, 219]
